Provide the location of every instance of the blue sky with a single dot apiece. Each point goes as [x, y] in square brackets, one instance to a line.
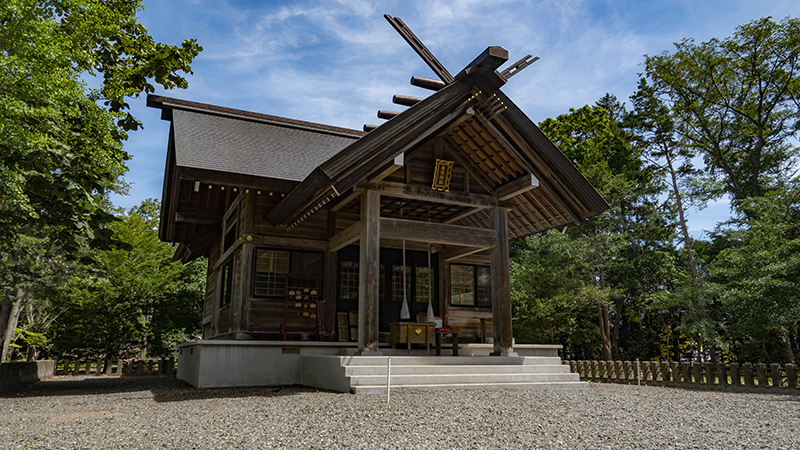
[339, 62]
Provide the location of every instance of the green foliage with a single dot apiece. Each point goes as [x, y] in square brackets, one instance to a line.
[734, 102]
[129, 299]
[758, 273]
[29, 338]
[554, 293]
[61, 142]
[630, 243]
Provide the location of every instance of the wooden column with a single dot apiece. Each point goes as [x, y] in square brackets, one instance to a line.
[369, 276]
[247, 263]
[443, 282]
[328, 310]
[501, 285]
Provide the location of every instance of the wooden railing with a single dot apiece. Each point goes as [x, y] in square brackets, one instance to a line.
[163, 366]
[717, 376]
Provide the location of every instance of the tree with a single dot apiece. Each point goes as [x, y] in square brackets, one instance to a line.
[127, 300]
[735, 102]
[759, 274]
[655, 137]
[594, 139]
[60, 141]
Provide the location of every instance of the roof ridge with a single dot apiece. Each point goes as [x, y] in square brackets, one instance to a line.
[163, 102]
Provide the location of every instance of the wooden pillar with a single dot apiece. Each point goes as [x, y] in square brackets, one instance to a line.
[328, 310]
[501, 285]
[443, 282]
[328, 319]
[239, 321]
[369, 268]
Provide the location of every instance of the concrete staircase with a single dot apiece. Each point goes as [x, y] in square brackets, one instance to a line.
[367, 374]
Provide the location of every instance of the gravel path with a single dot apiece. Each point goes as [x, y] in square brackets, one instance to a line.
[161, 412]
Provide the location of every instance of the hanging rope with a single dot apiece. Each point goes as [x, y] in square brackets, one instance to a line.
[430, 318]
[404, 313]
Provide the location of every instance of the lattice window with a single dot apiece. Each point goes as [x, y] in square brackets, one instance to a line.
[271, 268]
[424, 275]
[397, 283]
[348, 280]
[462, 285]
[470, 285]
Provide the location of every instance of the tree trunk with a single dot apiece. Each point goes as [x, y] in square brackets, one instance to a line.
[787, 339]
[17, 301]
[605, 332]
[5, 313]
[697, 294]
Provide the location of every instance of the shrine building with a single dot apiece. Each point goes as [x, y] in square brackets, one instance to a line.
[330, 242]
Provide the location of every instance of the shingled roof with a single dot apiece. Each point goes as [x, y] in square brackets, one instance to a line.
[228, 140]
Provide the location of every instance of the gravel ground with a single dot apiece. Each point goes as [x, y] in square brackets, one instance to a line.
[162, 412]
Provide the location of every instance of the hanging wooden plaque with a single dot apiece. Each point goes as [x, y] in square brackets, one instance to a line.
[442, 174]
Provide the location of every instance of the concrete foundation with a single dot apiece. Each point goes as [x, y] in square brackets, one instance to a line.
[336, 366]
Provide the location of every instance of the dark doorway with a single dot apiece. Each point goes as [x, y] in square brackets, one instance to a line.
[391, 284]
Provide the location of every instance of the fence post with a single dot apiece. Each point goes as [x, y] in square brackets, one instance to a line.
[722, 374]
[676, 375]
[696, 368]
[709, 372]
[761, 372]
[617, 370]
[791, 376]
[98, 368]
[77, 369]
[747, 370]
[735, 374]
[109, 367]
[626, 369]
[665, 372]
[170, 365]
[777, 380]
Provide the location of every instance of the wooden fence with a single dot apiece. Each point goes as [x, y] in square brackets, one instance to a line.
[163, 366]
[717, 376]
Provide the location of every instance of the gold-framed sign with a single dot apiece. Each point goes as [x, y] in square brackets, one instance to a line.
[442, 174]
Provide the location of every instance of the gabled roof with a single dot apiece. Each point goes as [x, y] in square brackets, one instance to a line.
[228, 140]
[216, 147]
[495, 139]
[470, 119]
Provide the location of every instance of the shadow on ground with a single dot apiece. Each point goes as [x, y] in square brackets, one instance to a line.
[163, 388]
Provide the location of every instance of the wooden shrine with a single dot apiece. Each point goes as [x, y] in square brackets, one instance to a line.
[301, 221]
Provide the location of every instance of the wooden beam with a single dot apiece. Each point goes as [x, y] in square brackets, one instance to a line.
[516, 187]
[437, 233]
[345, 238]
[344, 199]
[194, 217]
[427, 83]
[420, 48]
[467, 213]
[387, 170]
[515, 68]
[369, 272]
[488, 61]
[289, 243]
[453, 253]
[425, 193]
[501, 285]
